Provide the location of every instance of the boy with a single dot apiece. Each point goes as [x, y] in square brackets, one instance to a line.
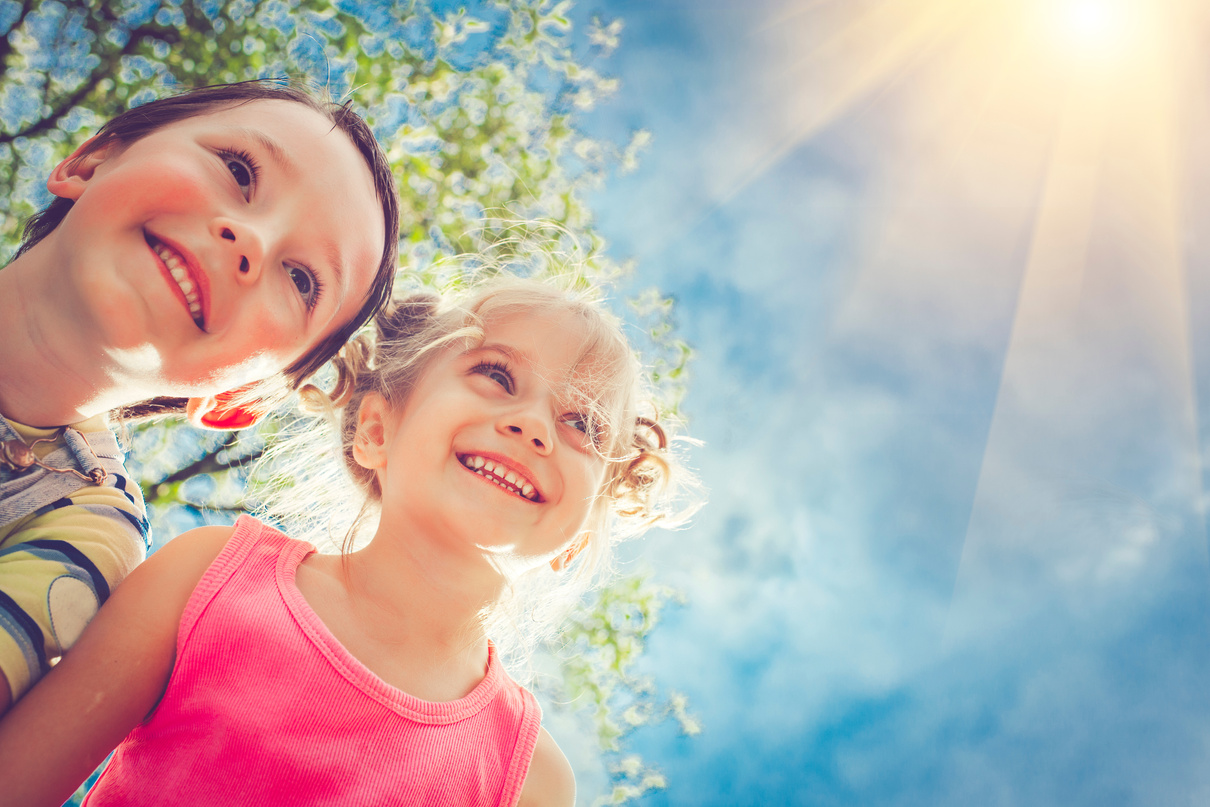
[204, 253]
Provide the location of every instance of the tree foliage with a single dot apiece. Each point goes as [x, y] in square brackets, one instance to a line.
[477, 111]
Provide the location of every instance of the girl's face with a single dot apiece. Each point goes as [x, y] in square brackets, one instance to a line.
[490, 450]
[219, 249]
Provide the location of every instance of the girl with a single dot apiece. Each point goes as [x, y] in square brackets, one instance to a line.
[228, 239]
[498, 439]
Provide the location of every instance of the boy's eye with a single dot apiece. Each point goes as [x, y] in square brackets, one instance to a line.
[243, 169]
[307, 284]
[243, 177]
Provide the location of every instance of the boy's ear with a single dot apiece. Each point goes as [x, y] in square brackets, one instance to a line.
[370, 443]
[71, 176]
[564, 558]
[218, 413]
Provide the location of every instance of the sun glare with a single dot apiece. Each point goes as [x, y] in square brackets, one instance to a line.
[1078, 111]
[1093, 23]
[1102, 31]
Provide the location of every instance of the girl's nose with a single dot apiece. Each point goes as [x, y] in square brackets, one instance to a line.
[530, 426]
[242, 246]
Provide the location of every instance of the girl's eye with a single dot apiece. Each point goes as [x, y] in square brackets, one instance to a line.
[243, 170]
[496, 372]
[582, 424]
[307, 283]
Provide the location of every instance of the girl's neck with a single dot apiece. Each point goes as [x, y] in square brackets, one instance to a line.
[414, 618]
[424, 594]
[52, 372]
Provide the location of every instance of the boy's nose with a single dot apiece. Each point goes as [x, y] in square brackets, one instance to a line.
[242, 247]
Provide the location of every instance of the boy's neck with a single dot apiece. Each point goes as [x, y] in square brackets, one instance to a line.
[51, 372]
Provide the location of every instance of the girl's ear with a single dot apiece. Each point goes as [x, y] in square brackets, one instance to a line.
[564, 558]
[219, 413]
[71, 176]
[370, 443]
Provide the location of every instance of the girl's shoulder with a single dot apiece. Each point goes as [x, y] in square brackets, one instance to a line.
[186, 557]
[550, 781]
[198, 544]
[200, 561]
[191, 554]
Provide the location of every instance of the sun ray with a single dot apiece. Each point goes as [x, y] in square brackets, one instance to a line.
[859, 61]
[1048, 301]
[864, 55]
[1087, 327]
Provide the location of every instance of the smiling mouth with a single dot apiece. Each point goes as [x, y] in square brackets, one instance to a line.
[179, 270]
[501, 475]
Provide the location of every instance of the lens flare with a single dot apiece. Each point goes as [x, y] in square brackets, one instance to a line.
[1103, 31]
[1094, 22]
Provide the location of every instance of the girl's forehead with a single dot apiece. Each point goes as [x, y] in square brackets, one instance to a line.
[538, 331]
[555, 340]
[555, 344]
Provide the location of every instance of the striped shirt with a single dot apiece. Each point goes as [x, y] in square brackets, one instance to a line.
[59, 564]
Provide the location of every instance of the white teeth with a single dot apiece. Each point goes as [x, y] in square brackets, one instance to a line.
[501, 475]
[177, 269]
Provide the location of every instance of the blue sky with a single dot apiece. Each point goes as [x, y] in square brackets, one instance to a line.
[944, 277]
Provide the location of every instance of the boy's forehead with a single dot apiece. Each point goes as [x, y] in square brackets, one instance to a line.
[294, 137]
[274, 116]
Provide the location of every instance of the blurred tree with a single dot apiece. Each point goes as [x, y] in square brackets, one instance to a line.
[477, 112]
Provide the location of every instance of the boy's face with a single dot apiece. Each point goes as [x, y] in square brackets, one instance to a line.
[219, 249]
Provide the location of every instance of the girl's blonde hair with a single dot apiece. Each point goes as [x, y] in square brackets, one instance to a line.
[642, 477]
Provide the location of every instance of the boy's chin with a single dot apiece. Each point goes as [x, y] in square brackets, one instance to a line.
[142, 359]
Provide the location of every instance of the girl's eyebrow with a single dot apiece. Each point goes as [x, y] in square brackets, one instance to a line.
[508, 352]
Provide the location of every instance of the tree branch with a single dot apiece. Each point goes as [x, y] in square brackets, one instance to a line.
[106, 68]
[210, 464]
[6, 47]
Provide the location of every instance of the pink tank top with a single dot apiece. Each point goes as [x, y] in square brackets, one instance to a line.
[265, 707]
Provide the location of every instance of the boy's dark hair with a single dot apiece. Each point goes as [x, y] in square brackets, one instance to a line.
[137, 123]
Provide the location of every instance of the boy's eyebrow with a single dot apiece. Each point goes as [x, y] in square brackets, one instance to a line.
[276, 152]
[336, 261]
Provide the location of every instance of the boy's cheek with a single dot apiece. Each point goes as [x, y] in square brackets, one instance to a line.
[156, 187]
[260, 351]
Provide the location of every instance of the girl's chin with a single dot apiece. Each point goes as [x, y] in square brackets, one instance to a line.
[511, 565]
